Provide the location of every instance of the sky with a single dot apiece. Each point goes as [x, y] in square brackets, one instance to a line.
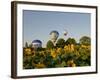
[39, 24]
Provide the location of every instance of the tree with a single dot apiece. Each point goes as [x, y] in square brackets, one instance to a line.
[50, 44]
[73, 41]
[85, 40]
[30, 45]
[70, 41]
[60, 43]
[26, 45]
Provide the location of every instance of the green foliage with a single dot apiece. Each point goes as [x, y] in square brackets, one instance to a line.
[60, 43]
[26, 45]
[84, 58]
[70, 41]
[50, 44]
[40, 49]
[30, 45]
[27, 60]
[85, 40]
[63, 64]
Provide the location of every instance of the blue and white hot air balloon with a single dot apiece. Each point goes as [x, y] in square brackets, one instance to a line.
[54, 35]
[36, 43]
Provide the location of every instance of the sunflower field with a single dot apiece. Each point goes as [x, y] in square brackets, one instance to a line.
[66, 55]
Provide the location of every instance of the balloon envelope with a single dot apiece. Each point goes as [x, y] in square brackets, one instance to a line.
[65, 33]
[54, 35]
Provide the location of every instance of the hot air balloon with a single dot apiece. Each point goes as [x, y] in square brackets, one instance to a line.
[36, 43]
[65, 32]
[54, 35]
